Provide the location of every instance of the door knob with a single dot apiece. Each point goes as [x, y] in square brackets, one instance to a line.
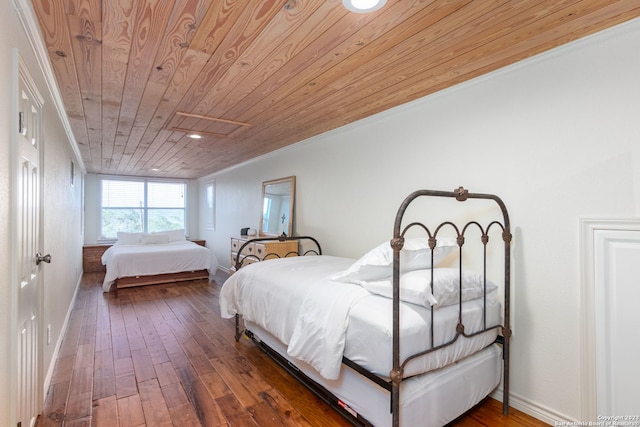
[40, 258]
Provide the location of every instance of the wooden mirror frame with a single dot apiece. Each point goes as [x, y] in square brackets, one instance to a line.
[277, 190]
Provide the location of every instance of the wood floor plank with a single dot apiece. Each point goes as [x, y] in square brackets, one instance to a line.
[78, 422]
[121, 348]
[143, 365]
[130, 413]
[105, 411]
[156, 412]
[163, 356]
[166, 374]
[123, 366]
[174, 395]
[265, 416]
[104, 379]
[283, 409]
[126, 385]
[236, 382]
[55, 404]
[233, 410]
[79, 407]
[207, 410]
[215, 384]
[184, 415]
[63, 368]
[70, 342]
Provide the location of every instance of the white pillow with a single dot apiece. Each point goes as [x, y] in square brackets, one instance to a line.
[415, 287]
[377, 264]
[154, 238]
[173, 235]
[125, 238]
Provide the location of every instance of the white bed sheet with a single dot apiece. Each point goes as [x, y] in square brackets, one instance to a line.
[145, 260]
[271, 294]
[429, 400]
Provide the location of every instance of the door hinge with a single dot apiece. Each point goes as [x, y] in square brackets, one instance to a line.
[21, 129]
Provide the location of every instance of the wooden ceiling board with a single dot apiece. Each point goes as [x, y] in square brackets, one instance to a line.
[460, 67]
[55, 33]
[117, 32]
[87, 54]
[299, 77]
[241, 37]
[266, 57]
[180, 28]
[290, 68]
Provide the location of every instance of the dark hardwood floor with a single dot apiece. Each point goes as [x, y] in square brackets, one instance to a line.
[162, 356]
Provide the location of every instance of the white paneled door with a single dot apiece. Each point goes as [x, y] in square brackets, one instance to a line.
[617, 294]
[611, 317]
[28, 241]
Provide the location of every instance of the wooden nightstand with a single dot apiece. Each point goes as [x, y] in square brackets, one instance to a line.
[92, 258]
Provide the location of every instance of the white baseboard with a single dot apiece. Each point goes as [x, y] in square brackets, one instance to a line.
[56, 350]
[536, 410]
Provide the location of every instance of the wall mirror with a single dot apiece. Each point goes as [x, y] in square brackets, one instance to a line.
[278, 198]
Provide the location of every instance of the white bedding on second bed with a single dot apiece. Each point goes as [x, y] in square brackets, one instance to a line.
[273, 294]
[145, 260]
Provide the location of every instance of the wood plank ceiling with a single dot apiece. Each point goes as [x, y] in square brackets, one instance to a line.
[137, 76]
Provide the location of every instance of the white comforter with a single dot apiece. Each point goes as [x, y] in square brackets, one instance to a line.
[320, 320]
[303, 308]
[145, 260]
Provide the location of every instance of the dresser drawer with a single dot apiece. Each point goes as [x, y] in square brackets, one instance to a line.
[236, 244]
[244, 260]
[258, 251]
[269, 250]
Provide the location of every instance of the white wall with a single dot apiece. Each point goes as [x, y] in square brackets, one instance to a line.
[557, 137]
[61, 212]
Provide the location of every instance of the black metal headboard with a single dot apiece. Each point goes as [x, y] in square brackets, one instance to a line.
[461, 195]
[303, 242]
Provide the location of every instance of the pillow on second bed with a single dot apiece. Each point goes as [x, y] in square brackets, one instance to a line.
[415, 287]
[377, 264]
[126, 238]
[154, 238]
[172, 235]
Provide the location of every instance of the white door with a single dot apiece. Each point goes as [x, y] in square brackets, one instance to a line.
[616, 319]
[28, 241]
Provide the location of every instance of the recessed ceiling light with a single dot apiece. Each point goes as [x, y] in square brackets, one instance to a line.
[155, 169]
[363, 6]
[195, 136]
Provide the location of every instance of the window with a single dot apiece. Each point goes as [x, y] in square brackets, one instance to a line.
[209, 212]
[141, 205]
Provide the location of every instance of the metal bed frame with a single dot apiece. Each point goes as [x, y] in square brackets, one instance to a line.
[396, 376]
[461, 195]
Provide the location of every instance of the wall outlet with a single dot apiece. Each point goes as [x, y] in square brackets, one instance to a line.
[49, 334]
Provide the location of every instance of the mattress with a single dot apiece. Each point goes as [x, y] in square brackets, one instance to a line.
[274, 295]
[146, 260]
[369, 334]
[428, 400]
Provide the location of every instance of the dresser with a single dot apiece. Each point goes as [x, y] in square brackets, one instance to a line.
[259, 251]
